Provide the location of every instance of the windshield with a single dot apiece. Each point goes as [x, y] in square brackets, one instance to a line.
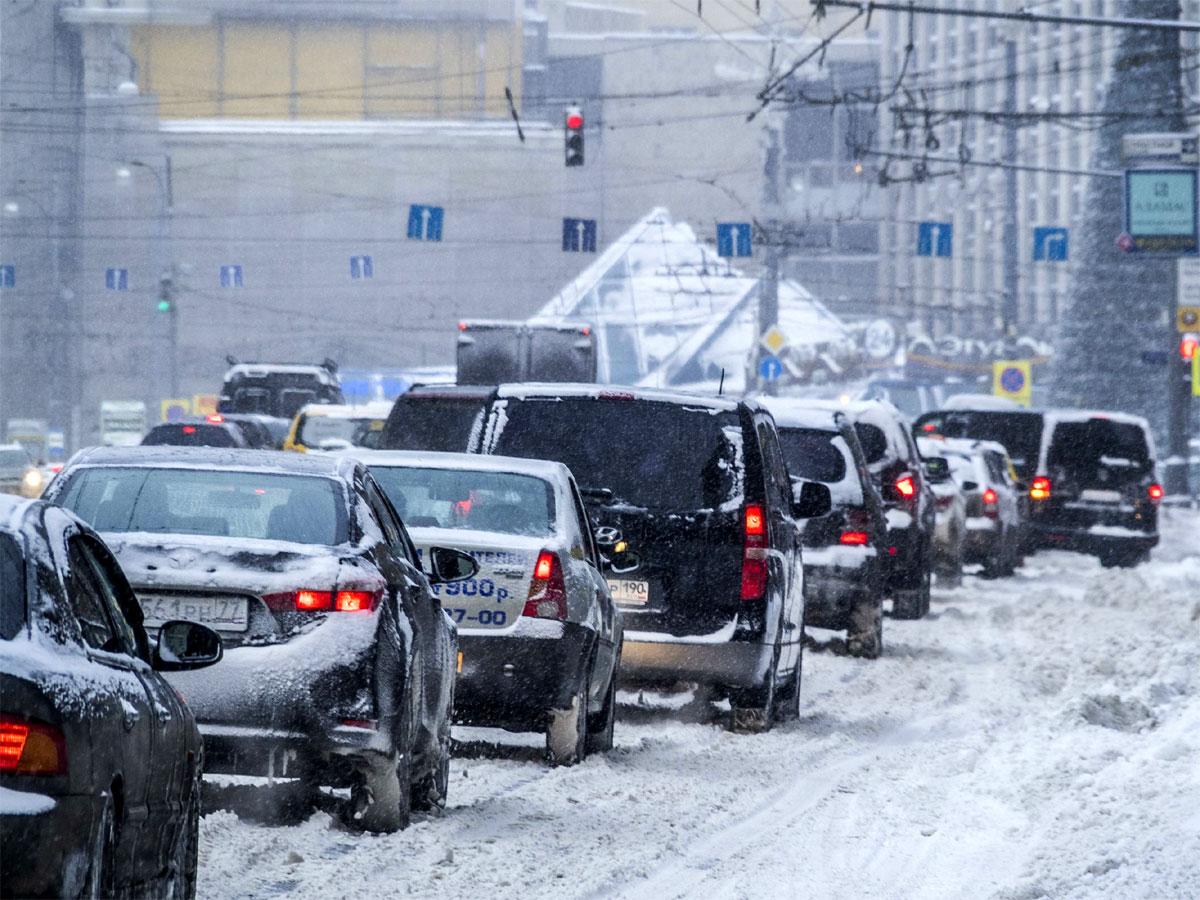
[301, 509]
[466, 499]
[443, 424]
[652, 454]
[1019, 432]
[12, 588]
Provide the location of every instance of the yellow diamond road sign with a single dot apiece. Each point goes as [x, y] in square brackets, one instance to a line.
[773, 339]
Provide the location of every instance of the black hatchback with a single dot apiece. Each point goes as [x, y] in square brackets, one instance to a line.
[698, 490]
[100, 760]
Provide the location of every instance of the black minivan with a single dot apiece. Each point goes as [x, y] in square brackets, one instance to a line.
[697, 488]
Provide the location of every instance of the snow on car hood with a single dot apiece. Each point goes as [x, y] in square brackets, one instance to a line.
[222, 563]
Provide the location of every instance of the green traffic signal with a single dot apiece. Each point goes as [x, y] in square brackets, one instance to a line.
[164, 305]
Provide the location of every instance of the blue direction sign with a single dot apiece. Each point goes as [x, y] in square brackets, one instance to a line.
[231, 276]
[425, 222]
[734, 239]
[116, 279]
[935, 238]
[579, 235]
[362, 267]
[770, 368]
[8, 276]
[1049, 244]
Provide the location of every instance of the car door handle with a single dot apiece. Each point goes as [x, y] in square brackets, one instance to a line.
[130, 719]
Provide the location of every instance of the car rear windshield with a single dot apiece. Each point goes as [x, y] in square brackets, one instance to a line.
[647, 453]
[190, 436]
[12, 588]
[811, 454]
[441, 423]
[13, 459]
[302, 509]
[1019, 432]
[483, 501]
[1086, 446]
[315, 429]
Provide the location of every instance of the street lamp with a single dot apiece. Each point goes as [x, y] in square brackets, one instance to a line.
[162, 180]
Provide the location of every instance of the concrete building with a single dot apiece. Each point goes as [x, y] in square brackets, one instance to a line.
[974, 64]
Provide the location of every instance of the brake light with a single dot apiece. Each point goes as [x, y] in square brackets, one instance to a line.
[855, 538]
[189, 429]
[306, 600]
[991, 506]
[989, 497]
[754, 553]
[215, 418]
[1155, 492]
[547, 592]
[31, 748]
[929, 427]
[1039, 489]
[463, 326]
[906, 486]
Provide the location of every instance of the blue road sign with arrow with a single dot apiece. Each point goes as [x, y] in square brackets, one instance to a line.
[935, 239]
[579, 235]
[425, 222]
[734, 239]
[231, 276]
[362, 267]
[116, 279]
[8, 276]
[770, 367]
[1049, 244]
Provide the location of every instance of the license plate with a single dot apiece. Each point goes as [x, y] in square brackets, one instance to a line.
[1095, 496]
[221, 613]
[631, 593]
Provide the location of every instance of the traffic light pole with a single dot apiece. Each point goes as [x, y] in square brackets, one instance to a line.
[1179, 408]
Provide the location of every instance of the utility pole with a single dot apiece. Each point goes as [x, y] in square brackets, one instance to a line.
[1179, 408]
[1012, 256]
[768, 286]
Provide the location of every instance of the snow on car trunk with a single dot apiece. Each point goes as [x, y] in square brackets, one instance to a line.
[493, 600]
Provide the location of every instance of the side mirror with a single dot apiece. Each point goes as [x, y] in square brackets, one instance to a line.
[186, 645]
[937, 468]
[814, 501]
[447, 564]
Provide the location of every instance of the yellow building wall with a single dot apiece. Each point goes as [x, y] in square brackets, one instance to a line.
[310, 70]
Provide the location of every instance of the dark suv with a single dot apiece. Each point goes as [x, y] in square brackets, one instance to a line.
[698, 490]
[437, 417]
[911, 508]
[845, 552]
[1094, 488]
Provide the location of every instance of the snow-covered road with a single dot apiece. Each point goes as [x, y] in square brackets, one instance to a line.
[1034, 736]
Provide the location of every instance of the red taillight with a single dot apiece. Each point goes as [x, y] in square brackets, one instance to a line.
[990, 501]
[306, 600]
[31, 748]
[547, 592]
[189, 429]
[463, 326]
[1155, 492]
[754, 554]
[1039, 489]
[56, 468]
[855, 538]
[929, 427]
[906, 486]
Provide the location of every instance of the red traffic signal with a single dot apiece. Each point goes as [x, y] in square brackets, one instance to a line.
[1189, 344]
[573, 124]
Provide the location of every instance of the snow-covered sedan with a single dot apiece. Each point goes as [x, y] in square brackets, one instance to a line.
[339, 667]
[539, 632]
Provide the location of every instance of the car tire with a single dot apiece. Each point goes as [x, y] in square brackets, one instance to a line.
[380, 796]
[567, 732]
[430, 792]
[752, 710]
[187, 847]
[102, 874]
[864, 637]
[600, 729]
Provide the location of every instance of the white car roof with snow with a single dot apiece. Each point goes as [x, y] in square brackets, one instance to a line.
[983, 402]
[174, 457]
[260, 370]
[376, 409]
[797, 412]
[469, 462]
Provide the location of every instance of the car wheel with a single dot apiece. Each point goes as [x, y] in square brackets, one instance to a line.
[187, 847]
[787, 705]
[102, 880]
[566, 734]
[864, 637]
[600, 729]
[752, 710]
[380, 796]
[430, 792]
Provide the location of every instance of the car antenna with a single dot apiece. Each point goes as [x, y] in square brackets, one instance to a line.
[721, 386]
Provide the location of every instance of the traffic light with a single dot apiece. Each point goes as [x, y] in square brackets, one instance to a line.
[165, 286]
[573, 125]
[1189, 345]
